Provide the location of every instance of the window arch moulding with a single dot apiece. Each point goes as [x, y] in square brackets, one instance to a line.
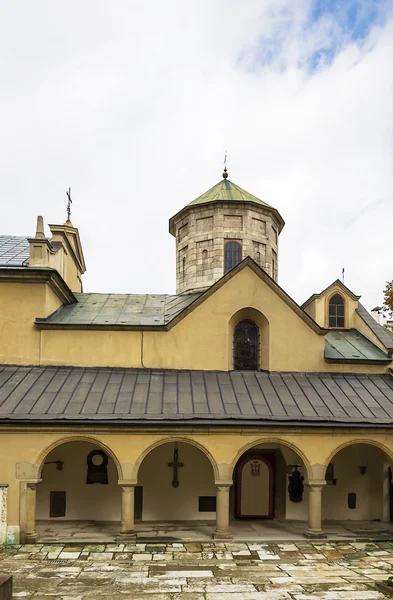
[263, 325]
[336, 311]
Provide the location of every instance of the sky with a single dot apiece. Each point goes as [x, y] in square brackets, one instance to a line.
[133, 104]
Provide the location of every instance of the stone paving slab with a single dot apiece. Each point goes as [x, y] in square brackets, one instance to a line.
[199, 570]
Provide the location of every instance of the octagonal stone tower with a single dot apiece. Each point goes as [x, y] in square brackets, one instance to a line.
[217, 230]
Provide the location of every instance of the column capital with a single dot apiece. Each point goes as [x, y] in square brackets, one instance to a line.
[31, 483]
[127, 482]
[224, 484]
[316, 483]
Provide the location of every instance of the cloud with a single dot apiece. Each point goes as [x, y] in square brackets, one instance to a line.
[133, 104]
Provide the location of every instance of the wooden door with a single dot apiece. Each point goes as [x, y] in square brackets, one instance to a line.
[255, 478]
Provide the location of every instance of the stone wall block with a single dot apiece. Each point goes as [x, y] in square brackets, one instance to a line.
[3, 513]
[207, 227]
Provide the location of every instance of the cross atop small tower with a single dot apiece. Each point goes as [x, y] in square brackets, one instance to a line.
[68, 194]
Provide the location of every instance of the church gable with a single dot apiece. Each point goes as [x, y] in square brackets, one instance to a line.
[245, 321]
[337, 308]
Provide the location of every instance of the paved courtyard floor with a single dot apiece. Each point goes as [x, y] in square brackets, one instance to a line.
[300, 570]
[189, 531]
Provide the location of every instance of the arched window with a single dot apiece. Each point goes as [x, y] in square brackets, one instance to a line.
[336, 311]
[232, 255]
[246, 346]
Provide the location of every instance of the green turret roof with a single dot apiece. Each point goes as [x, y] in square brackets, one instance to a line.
[226, 191]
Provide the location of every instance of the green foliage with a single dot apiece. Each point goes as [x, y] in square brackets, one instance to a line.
[388, 297]
[389, 581]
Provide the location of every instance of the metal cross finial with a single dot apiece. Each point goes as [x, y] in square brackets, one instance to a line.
[343, 274]
[68, 194]
[225, 173]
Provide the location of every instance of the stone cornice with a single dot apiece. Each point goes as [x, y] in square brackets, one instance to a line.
[217, 203]
[270, 433]
[39, 275]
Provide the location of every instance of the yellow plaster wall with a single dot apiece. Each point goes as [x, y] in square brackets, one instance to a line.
[203, 338]
[89, 348]
[20, 304]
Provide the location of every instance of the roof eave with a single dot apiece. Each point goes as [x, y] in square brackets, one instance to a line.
[39, 275]
[359, 361]
[337, 282]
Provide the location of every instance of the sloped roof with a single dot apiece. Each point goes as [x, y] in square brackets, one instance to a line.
[336, 283]
[154, 310]
[45, 394]
[352, 346]
[14, 251]
[382, 334]
[121, 309]
[226, 191]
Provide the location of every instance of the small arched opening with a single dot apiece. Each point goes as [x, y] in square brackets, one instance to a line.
[249, 340]
[358, 486]
[78, 493]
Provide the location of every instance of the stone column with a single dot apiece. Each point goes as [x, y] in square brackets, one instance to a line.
[31, 497]
[222, 531]
[386, 484]
[127, 531]
[3, 512]
[315, 510]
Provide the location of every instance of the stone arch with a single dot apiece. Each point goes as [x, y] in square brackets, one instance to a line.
[182, 440]
[375, 443]
[274, 440]
[85, 438]
[255, 315]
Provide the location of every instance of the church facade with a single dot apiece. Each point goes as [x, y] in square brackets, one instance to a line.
[226, 402]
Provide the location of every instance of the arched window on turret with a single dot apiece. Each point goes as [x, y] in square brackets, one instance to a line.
[246, 346]
[336, 311]
[232, 255]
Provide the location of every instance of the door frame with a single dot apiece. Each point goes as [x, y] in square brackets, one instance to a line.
[270, 461]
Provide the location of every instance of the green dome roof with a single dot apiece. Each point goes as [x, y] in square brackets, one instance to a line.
[226, 191]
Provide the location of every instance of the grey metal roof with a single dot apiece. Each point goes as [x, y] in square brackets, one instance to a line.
[384, 336]
[121, 309]
[216, 397]
[14, 251]
[352, 346]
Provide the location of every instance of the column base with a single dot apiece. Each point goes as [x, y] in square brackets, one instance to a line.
[315, 535]
[222, 536]
[31, 538]
[126, 536]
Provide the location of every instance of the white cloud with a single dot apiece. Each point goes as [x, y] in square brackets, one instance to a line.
[132, 104]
